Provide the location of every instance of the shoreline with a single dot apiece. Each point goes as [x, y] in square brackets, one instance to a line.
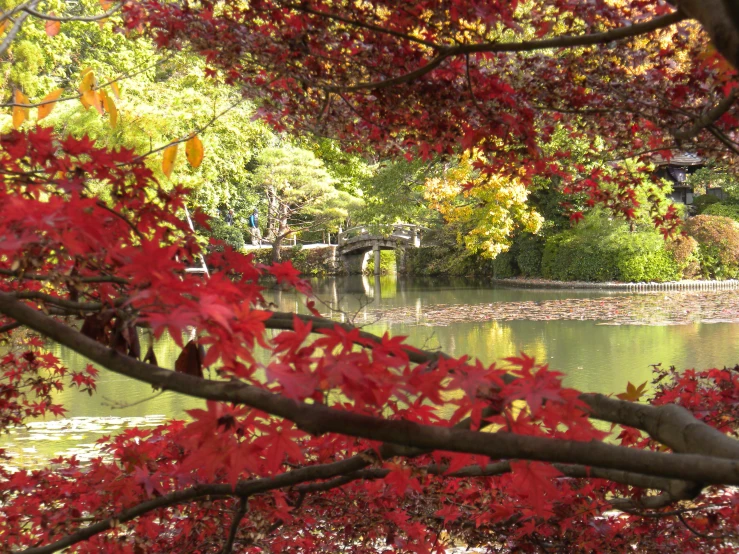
[684, 285]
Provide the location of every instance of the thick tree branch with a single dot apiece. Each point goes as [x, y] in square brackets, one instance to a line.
[50, 17]
[525, 46]
[318, 419]
[8, 40]
[708, 118]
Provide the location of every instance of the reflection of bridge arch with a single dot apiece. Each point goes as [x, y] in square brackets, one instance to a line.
[356, 243]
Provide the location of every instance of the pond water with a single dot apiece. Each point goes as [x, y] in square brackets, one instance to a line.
[600, 340]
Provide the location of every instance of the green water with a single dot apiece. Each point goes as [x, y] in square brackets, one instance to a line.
[599, 340]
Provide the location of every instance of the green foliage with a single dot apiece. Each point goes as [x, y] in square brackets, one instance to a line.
[301, 185]
[394, 193]
[230, 234]
[714, 175]
[602, 250]
[528, 250]
[703, 202]
[718, 243]
[387, 263]
[723, 209]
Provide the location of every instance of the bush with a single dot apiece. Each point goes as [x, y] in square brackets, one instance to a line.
[503, 266]
[230, 234]
[528, 250]
[602, 250]
[718, 245]
[723, 209]
[702, 202]
[686, 253]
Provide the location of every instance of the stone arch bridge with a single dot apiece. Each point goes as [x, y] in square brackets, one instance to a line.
[358, 243]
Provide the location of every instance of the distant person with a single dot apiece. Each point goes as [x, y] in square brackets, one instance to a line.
[230, 217]
[256, 236]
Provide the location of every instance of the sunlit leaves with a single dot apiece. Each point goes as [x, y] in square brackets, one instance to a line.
[170, 153]
[48, 102]
[194, 151]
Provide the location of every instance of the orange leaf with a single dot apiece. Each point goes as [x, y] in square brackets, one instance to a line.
[194, 151]
[633, 393]
[170, 153]
[116, 90]
[52, 27]
[92, 98]
[45, 109]
[106, 4]
[3, 25]
[20, 114]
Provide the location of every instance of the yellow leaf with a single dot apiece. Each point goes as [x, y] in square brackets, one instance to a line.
[88, 80]
[168, 162]
[51, 98]
[116, 90]
[20, 114]
[633, 393]
[110, 108]
[194, 151]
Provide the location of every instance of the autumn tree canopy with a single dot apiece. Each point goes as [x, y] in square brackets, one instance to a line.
[336, 442]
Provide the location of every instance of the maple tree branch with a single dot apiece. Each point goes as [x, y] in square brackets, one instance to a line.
[9, 327]
[137, 70]
[15, 29]
[362, 25]
[51, 17]
[569, 41]
[238, 516]
[318, 419]
[66, 278]
[67, 304]
[708, 118]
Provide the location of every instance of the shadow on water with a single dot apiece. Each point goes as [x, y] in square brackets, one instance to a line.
[600, 340]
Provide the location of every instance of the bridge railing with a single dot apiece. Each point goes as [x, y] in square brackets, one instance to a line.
[405, 231]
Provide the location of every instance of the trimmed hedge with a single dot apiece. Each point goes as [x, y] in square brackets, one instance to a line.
[723, 209]
[600, 250]
[718, 245]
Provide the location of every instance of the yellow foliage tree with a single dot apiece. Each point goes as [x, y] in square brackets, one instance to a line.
[490, 208]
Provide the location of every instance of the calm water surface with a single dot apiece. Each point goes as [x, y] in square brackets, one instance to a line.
[599, 340]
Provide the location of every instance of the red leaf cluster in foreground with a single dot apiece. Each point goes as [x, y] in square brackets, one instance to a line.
[320, 437]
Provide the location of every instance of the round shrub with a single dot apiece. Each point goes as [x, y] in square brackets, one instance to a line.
[718, 245]
[723, 209]
[686, 253]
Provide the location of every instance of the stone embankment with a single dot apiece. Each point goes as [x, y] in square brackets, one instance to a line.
[686, 285]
